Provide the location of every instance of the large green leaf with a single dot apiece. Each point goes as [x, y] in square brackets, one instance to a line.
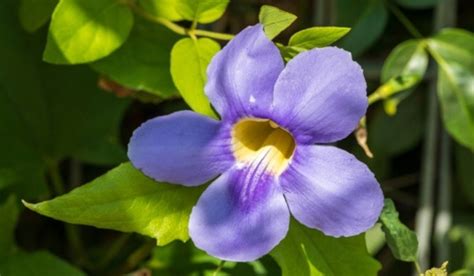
[367, 19]
[36, 264]
[202, 11]
[309, 252]
[274, 20]
[8, 218]
[401, 240]
[35, 13]
[48, 113]
[189, 61]
[453, 51]
[143, 62]
[126, 200]
[82, 31]
[388, 135]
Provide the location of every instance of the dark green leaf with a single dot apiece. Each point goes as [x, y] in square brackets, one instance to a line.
[274, 20]
[143, 62]
[82, 31]
[189, 61]
[464, 172]
[126, 200]
[202, 11]
[418, 4]
[401, 240]
[367, 19]
[309, 252]
[39, 263]
[452, 49]
[8, 218]
[35, 13]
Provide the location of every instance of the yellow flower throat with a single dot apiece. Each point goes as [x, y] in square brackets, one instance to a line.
[263, 141]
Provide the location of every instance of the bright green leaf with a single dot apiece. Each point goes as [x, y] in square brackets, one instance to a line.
[36, 264]
[143, 62]
[189, 61]
[418, 4]
[35, 13]
[453, 51]
[401, 240]
[274, 20]
[394, 135]
[8, 218]
[367, 19]
[202, 11]
[309, 252]
[317, 37]
[126, 200]
[82, 31]
[162, 8]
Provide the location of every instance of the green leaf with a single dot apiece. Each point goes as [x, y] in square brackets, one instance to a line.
[162, 8]
[401, 240]
[274, 20]
[464, 172]
[35, 13]
[309, 252]
[367, 19]
[394, 135]
[8, 218]
[37, 263]
[452, 49]
[49, 113]
[189, 61]
[409, 58]
[126, 200]
[418, 4]
[143, 62]
[83, 31]
[312, 38]
[202, 11]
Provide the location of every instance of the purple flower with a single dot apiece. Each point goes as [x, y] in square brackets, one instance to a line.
[265, 151]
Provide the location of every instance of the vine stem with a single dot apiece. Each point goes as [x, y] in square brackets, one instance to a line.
[218, 269]
[72, 231]
[175, 27]
[404, 20]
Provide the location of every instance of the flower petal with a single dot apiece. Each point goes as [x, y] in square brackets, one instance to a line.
[329, 189]
[240, 78]
[240, 217]
[183, 148]
[320, 96]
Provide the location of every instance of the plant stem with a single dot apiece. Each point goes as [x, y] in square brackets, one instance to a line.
[404, 20]
[114, 249]
[177, 28]
[218, 269]
[72, 231]
[417, 267]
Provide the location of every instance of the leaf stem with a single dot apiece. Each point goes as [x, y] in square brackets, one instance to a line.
[175, 27]
[404, 20]
[417, 267]
[219, 267]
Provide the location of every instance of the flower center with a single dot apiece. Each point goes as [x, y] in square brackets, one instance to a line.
[262, 141]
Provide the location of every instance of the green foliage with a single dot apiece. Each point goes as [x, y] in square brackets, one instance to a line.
[309, 252]
[167, 9]
[393, 135]
[464, 172]
[49, 113]
[189, 61]
[8, 219]
[202, 11]
[82, 31]
[367, 18]
[126, 200]
[401, 240]
[453, 51]
[274, 20]
[34, 14]
[143, 62]
[418, 4]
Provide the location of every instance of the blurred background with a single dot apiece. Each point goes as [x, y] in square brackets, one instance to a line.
[77, 115]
